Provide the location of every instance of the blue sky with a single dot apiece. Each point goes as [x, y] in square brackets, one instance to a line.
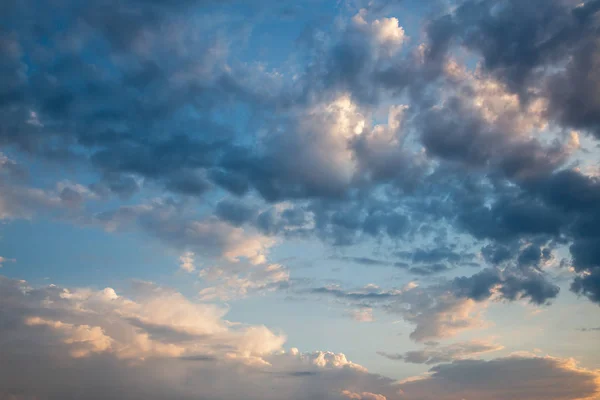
[350, 199]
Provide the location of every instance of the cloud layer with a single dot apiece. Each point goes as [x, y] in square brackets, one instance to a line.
[63, 343]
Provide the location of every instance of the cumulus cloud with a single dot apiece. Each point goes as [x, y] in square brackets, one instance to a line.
[362, 315]
[210, 237]
[319, 141]
[82, 339]
[361, 135]
[187, 261]
[158, 322]
[363, 396]
[99, 343]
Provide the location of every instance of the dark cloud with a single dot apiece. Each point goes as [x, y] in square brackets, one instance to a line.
[235, 212]
[589, 329]
[496, 254]
[513, 284]
[129, 91]
[517, 41]
[431, 269]
[364, 261]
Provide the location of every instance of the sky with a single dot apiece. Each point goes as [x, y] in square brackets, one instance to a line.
[309, 199]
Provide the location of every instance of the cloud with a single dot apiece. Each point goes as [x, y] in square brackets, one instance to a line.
[449, 307]
[210, 237]
[362, 396]
[435, 354]
[231, 282]
[505, 378]
[435, 312]
[157, 323]
[101, 344]
[4, 260]
[82, 339]
[589, 329]
[361, 136]
[365, 261]
[362, 315]
[187, 261]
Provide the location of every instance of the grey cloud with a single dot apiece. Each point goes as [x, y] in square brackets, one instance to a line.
[143, 119]
[434, 354]
[589, 329]
[496, 254]
[235, 212]
[518, 40]
[429, 307]
[512, 284]
[364, 261]
[503, 379]
[428, 270]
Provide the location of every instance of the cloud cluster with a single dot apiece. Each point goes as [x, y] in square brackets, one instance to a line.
[374, 136]
[472, 144]
[451, 306]
[158, 322]
[65, 343]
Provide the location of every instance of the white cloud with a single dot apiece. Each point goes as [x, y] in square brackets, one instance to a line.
[82, 339]
[389, 32]
[363, 396]
[362, 315]
[4, 260]
[386, 33]
[154, 322]
[241, 281]
[187, 261]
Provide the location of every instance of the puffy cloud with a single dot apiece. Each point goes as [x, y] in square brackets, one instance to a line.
[209, 237]
[82, 339]
[187, 262]
[481, 124]
[101, 344]
[362, 315]
[157, 323]
[387, 32]
[363, 396]
[440, 316]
